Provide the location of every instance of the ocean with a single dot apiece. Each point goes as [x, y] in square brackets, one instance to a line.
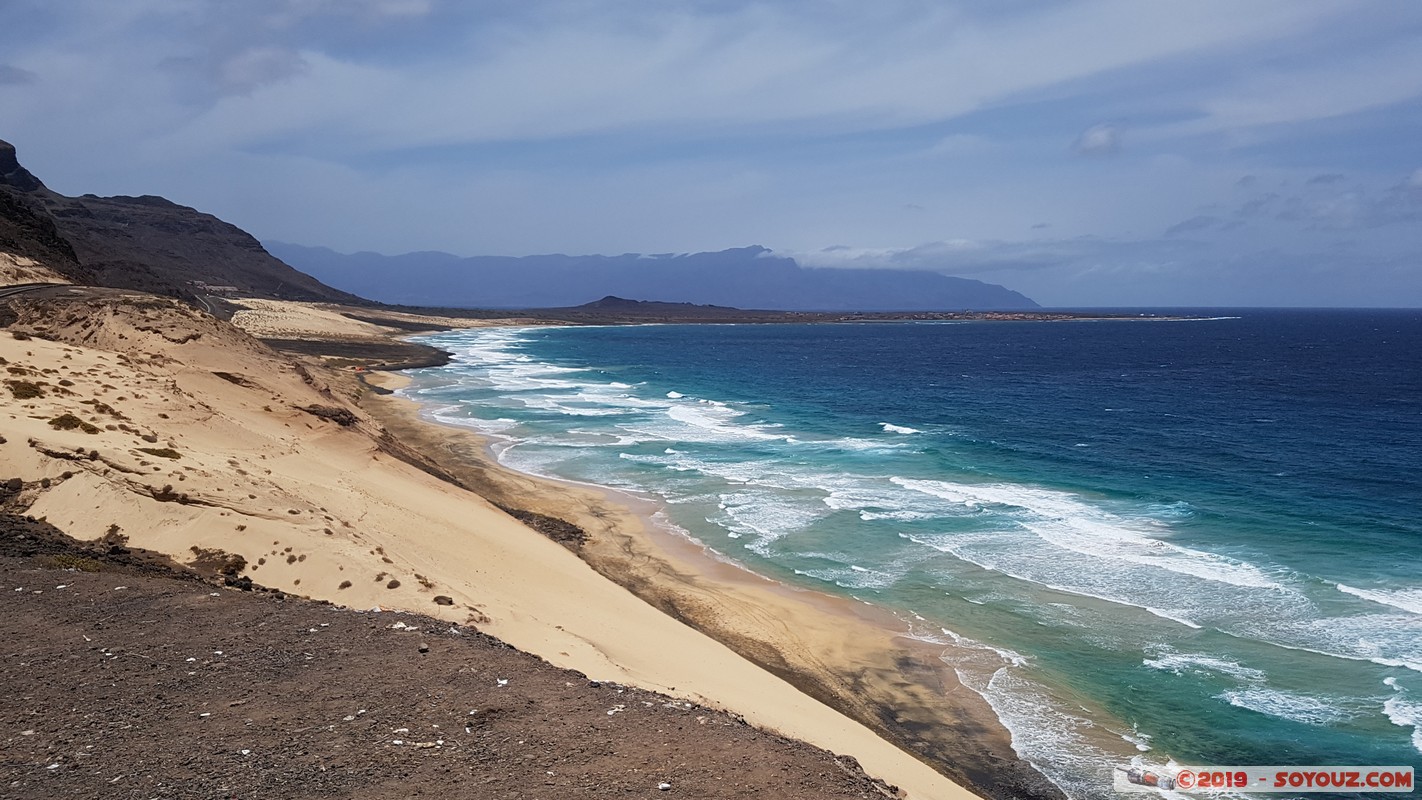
[1190, 540]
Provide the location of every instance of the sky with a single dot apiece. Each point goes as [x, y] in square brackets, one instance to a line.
[1083, 152]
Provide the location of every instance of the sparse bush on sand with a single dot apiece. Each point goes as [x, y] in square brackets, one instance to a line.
[25, 390]
[69, 422]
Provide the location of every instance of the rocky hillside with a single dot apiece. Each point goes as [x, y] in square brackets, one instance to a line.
[146, 243]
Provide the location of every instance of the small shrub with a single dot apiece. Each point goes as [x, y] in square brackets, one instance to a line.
[68, 422]
[71, 561]
[393, 584]
[340, 416]
[344, 585]
[25, 390]
[114, 537]
[218, 561]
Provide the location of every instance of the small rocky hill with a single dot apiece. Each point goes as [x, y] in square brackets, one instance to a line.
[145, 243]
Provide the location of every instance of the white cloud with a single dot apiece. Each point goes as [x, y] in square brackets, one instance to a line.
[573, 69]
[1098, 140]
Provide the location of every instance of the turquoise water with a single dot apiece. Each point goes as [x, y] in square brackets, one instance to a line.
[1156, 540]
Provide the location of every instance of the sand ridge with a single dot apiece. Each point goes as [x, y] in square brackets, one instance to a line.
[288, 319]
[195, 440]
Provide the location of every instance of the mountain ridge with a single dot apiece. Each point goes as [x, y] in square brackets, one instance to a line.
[142, 242]
[742, 278]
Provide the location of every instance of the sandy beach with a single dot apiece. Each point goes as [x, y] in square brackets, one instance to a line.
[142, 417]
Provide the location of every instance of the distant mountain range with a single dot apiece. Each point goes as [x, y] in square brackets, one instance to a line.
[746, 277]
[154, 245]
[145, 243]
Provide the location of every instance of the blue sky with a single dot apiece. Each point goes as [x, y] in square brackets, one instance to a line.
[1084, 152]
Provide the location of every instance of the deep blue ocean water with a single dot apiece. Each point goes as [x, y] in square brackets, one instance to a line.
[1189, 540]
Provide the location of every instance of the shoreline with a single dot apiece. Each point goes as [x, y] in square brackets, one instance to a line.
[148, 424]
[853, 656]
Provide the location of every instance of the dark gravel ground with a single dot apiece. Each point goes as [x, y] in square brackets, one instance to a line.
[127, 677]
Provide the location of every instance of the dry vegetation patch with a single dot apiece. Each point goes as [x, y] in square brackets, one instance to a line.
[69, 422]
[25, 390]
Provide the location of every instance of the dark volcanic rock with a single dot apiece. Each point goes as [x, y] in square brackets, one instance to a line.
[26, 229]
[146, 243]
[12, 174]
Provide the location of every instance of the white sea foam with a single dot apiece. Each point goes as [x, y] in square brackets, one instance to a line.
[897, 516]
[717, 419]
[1391, 640]
[892, 428]
[587, 441]
[1182, 663]
[675, 395]
[1409, 600]
[1045, 732]
[1060, 574]
[551, 403]
[491, 426]
[1008, 656]
[856, 444]
[1054, 741]
[876, 499]
[1404, 712]
[1141, 741]
[765, 515]
[854, 577]
[1308, 709]
[1065, 520]
[1173, 617]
